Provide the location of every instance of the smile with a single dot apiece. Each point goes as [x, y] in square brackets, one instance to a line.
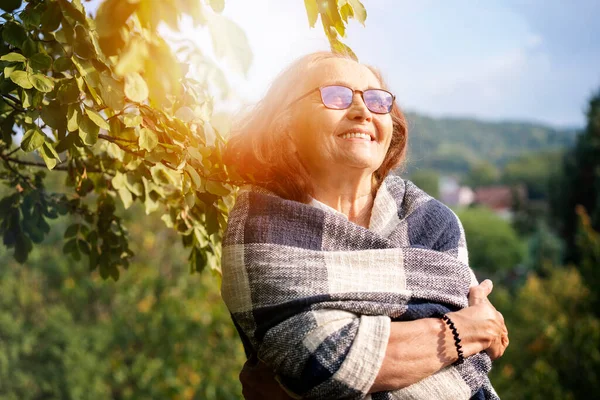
[356, 135]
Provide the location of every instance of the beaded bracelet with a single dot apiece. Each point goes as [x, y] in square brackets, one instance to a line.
[449, 322]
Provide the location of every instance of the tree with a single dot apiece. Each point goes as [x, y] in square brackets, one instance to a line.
[494, 248]
[428, 180]
[482, 174]
[533, 170]
[91, 100]
[578, 183]
[156, 334]
[554, 328]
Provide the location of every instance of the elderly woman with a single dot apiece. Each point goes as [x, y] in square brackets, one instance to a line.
[345, 281]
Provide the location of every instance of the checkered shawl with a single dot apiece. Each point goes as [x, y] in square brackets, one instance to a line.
[313, 294]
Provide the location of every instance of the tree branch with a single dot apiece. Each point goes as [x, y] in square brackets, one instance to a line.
[16, 104]
[116, 140]
[13, 152]
[42, 165]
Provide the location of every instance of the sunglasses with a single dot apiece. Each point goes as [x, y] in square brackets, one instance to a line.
[338, 97]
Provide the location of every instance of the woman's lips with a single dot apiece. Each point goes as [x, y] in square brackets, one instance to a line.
[357, 136]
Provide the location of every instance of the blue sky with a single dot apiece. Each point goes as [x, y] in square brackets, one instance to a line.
[528, 60]
[525, 60]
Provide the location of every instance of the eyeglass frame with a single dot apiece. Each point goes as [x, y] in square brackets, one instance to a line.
[362, 92]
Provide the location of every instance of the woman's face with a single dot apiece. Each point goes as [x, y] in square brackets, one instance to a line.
[321, 135]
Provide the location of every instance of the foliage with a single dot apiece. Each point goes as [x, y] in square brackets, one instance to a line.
[579, 183]
[91, 99]
[554, 327]
[494, 247]
[455, 146]
[554, 351]
[482, 173]
[588, 243]
[428, 180]
[157, 334]
[533, 170]
[545, 249]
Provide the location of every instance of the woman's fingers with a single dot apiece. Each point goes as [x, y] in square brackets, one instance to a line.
[479, 293]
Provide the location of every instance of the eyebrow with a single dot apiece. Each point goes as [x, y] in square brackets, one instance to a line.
[343, 83]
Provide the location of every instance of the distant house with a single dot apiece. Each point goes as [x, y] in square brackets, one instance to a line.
[501, 199]
[453, 194]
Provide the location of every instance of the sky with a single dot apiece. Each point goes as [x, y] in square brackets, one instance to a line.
[527, 60]
[495, 60]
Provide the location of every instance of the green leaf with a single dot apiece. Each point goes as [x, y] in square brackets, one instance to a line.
[216, 188]
[126, 197]
[312, 11]
[148, 139]
[27, 98]
[97, 118]
[88, 131]
[8, 70]
[185, 114]
[346, 12]
[10, 5]
[136, 88]
[68, 92]
[118, 181]
[51, 151]
[23, 247]
[21, 78]
[33, 139]
[115, 152]
[42, 82]
[112, 15]
[134, 184]
[13, 57]
[133, 57]
[73, 117]
[112, 92]
[29, 47]
[360, 13]
[62, 64]
[195, 177]
[66, 143]
[51, 18]
[31, 15]
[40, 61]
[70, 247]
[330, 8]
[71, 231]
[54, 115]
[14, 34]
[49, 155]
[230, 43]
[132, 120]
[217, 5]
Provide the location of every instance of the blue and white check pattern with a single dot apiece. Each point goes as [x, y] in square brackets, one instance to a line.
[313, 294]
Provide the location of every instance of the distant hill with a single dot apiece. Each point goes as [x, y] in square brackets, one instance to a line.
[453, 145]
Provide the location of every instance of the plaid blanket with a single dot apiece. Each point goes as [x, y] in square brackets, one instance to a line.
[313, 294]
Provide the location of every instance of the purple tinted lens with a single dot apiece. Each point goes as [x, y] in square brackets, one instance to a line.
[336, 97]
[378, 101]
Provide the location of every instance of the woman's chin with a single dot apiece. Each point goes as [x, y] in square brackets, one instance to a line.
[360, 162]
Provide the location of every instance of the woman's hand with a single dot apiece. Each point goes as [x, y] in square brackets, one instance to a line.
[481, 326]
[258, 382]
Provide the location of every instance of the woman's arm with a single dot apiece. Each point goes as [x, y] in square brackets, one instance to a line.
[418, 349]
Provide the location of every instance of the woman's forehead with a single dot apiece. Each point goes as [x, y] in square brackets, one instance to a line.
[340, 71]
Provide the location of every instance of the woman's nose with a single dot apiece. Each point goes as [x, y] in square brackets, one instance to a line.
[358, 109]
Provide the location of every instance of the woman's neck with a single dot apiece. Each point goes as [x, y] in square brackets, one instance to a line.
[352, 198]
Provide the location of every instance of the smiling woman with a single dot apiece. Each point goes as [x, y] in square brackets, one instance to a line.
[345, 281]
[282, 141]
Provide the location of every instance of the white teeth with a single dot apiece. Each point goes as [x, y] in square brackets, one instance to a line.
[358, 135]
